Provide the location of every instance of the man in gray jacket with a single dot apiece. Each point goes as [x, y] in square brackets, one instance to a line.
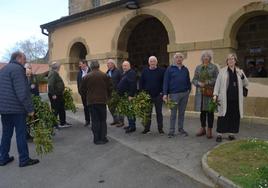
[15, 104]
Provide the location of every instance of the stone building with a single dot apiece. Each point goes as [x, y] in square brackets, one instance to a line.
[134, 30]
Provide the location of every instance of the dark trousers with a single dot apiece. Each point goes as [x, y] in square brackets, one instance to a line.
[131, 122]
[86, 109]
[205, 117]
[157, 102]
[98, 114]
[9, 122]
[57, 106]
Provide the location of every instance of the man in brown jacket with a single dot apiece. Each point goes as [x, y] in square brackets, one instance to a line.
[96, 87]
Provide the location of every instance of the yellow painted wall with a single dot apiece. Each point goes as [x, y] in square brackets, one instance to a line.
[193, 21]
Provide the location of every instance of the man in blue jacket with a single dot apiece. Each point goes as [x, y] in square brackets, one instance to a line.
[15, 104]
[151, 81]
[177, 87]
[84, 70]
[128, 85]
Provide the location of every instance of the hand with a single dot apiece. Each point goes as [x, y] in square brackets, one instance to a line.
[31, 114]
[54, 97]
[130, 98]
[165, 98]
[215, 98]
[32, 86]
[201, 84]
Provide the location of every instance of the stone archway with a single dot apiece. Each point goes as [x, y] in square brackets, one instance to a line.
[246, 33]
[77, 50]
[240, 17]
[119, 43]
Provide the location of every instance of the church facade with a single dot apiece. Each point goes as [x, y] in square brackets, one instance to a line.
[135, 30]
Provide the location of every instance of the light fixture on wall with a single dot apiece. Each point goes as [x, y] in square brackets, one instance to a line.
[132, 4]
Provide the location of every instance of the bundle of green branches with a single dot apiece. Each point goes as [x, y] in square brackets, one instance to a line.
[113, 102]
[213, 105]
[139, 106]
[171, 104]
[41, 126]
[68, 100]
[142, 106]
[124, 107]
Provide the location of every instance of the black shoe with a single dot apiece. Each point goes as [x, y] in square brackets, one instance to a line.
[231, 137]
[114, 123]
[161, 131]
[183, 132]
[126, 128]
[10, 159]
[87, 124]
[30, 162]
[100, 142]
[106, 140]
[130, 130]
[171, 135]
[145, 131]
[219, 138]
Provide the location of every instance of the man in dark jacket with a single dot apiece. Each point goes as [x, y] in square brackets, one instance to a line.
[15, 104]
[115, 75]
[84, 70]
[151, 81]
[96, 87]
[128, 85]
[55, 93]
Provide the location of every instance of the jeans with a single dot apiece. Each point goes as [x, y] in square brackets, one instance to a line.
[86, 109]
[181, 99]
[98, 114]
[131, 122]
[158, 102]
[9, 122]
[204, 116]
[58, 107]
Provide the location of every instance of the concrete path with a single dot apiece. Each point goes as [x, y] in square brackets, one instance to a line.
[181, 153]
[77, 163]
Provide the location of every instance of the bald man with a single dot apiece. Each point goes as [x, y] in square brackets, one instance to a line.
[128, 85]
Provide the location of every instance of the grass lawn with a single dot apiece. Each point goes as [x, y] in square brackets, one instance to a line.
[245, 162]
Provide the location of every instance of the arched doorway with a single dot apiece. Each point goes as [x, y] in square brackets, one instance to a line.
[252, 43]
[77, 51]
[142, 37]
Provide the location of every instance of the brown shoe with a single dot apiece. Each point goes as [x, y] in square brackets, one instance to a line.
[209, 133]
[201, 132]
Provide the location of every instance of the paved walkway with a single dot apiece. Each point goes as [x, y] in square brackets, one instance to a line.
[181, 153]
[77, 163]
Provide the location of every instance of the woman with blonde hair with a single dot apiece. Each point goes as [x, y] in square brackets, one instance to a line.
[204, 79]
[229, 92]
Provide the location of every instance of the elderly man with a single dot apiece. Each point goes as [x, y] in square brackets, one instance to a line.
[115, 75]
[128, 85]
[151, 81]
[97, 88]
[16, 103]
[84, 70]
[55, 94]
[177, 86]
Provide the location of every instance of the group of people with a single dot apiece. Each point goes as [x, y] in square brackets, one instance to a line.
[224, 86]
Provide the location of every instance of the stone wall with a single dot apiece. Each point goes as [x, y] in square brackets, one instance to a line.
[76, 6]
